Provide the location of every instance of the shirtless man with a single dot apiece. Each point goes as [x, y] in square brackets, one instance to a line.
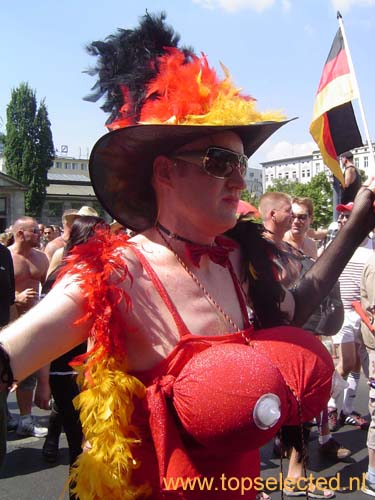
[30, 268]
[302, 217]
[60, 242]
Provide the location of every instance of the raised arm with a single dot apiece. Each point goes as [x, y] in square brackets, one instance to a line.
[319, 280]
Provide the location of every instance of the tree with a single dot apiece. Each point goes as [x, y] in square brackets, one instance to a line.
[319, 189]
[250, 197]
[29, 149]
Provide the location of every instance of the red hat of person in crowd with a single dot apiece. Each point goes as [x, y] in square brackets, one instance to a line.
[345, 208]
[245, 208]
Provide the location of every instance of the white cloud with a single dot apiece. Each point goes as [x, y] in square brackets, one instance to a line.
[236, 5]
[287, 5]
[285, 149]
[346, 5]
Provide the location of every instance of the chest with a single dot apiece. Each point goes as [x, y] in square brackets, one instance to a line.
[174, 302]
[26, 268]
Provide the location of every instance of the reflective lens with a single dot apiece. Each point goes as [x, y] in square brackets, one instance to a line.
[222, 162]
[217, 162]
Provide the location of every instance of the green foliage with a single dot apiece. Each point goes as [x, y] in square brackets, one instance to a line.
[251, 198]
[319, 189]
[28, 148]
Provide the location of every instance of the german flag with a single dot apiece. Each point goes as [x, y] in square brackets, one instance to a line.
[334, 127]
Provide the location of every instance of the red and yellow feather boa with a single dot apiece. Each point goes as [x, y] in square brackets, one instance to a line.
[106, 402]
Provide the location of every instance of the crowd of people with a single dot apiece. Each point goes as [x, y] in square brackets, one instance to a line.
[186, 347]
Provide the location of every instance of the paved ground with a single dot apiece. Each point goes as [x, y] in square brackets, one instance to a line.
[27, 477]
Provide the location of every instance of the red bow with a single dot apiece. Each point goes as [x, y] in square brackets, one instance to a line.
[219, 253]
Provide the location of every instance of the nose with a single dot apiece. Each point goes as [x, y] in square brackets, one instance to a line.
[236, 180]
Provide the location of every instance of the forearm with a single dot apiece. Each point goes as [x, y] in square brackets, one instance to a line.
[45, 332]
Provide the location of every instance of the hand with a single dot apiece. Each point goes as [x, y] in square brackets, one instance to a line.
[27, 297]
[363, 210]
[42, 396]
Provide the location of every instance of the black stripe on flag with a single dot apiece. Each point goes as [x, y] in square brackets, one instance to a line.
[343, 128]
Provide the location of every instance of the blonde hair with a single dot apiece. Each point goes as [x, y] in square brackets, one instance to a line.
[271, 200]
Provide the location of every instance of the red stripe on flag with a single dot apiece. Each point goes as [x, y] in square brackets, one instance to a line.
[333, 69]
[327, 139]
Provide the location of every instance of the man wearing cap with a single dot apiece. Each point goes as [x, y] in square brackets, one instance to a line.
[180, 383]
[352, 178]
[348, 340]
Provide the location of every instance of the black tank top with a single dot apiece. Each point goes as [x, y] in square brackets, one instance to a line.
[348, 194]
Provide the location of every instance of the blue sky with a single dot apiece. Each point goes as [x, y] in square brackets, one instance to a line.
[274, 49]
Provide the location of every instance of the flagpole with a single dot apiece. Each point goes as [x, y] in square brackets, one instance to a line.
[352, 72]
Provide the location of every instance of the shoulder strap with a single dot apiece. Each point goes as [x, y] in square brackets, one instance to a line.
[181, 326]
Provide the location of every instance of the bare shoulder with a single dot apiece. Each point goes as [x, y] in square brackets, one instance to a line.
[309, 248]
[52, 246]
[287, 237]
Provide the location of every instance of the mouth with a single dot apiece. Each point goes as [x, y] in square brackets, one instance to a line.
[231, 200]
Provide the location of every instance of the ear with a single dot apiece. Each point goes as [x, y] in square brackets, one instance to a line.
[163, 170]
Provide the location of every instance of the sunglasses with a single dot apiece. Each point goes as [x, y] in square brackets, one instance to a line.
[301, 217]
[217, 162]
[344, 216]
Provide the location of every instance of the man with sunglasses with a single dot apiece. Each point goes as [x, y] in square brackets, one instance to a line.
[302, 218]
[30, 270]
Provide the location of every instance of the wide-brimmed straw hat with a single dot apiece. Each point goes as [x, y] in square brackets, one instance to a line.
[160, 98]
[84, 210]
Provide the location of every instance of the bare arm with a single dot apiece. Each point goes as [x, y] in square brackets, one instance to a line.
[349, 177]
[46, 331]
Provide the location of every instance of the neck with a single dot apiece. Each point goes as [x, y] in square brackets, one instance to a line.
[272, 234]
[297, 239]
[185, 235]
[20, 248]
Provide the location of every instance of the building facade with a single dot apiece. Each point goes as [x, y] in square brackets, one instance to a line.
[69, 187]
[254, 181]
[304, 168]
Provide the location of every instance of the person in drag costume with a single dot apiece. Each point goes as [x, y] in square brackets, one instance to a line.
[179, 382]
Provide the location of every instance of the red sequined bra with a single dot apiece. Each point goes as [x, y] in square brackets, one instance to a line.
[198, 420]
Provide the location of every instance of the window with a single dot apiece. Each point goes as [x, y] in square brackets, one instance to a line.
[286, 175]
[356, 162]
[84, 166]
[58, 164]
[294, 174]
[266, 178]
[280, 175]
[68, 166]
[365, 161]
[251, 174]
[55, 209]
[74, 166]
[307, 173]
[303, 173]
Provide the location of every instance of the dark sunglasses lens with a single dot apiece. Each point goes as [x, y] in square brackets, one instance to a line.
[221, 163]
[301, 217]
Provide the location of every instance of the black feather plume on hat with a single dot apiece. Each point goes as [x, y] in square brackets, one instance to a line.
[127, 61]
